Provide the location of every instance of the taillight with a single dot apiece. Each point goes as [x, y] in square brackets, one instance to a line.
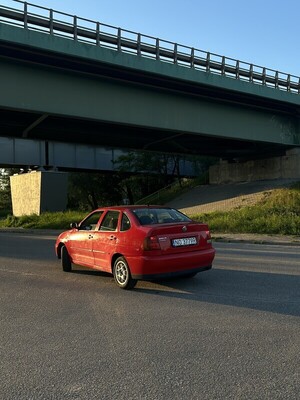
[208, 237]
[151, 243]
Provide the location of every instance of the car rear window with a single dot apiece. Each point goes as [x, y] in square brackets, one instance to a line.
[147, 216]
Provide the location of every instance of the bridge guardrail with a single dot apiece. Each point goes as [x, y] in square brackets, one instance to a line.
[38, 18]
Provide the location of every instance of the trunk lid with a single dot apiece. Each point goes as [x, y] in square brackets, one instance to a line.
[181, 237]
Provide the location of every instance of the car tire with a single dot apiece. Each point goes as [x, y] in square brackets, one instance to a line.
[65, 260]
[122, 275]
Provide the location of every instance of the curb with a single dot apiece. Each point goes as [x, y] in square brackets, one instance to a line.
[257, 239]
[54, 232]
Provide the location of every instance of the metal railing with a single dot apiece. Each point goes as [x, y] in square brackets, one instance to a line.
[31, 16]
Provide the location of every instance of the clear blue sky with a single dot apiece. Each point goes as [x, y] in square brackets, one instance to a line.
[262, 32]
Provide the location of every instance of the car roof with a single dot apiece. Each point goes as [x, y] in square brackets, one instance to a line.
[130, 207]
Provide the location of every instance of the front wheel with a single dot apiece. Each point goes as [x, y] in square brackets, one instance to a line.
[122, 274]
[65, 260]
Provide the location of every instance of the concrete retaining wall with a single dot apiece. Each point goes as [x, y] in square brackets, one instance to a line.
[286, 167]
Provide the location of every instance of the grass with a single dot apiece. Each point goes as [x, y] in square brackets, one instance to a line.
[57, 220]
[277, 213]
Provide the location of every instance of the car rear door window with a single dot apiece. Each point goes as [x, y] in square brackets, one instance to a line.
[110, 221]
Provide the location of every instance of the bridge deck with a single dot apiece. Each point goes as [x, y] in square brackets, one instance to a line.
[72, 80]
[49, 21]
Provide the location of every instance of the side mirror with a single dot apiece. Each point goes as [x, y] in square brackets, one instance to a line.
[73, 225]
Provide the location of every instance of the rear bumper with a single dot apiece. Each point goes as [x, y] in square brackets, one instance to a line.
[168, 275]
[163, 265]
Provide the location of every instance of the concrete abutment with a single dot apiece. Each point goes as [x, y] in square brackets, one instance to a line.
[38, 191]
[284, 167]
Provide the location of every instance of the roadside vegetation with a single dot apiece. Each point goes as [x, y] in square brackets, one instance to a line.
[139, 174]
[136, 175]
[55, 220]
[277, 213]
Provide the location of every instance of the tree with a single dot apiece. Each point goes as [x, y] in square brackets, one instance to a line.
[147, 172]
[92, 190]
[5, 193]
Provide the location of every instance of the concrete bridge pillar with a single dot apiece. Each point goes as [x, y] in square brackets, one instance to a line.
[38, 191]
[285, 167]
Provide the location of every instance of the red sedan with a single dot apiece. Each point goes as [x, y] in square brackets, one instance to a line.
[137, 242]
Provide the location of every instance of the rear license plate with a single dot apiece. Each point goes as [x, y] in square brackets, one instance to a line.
[184, 242]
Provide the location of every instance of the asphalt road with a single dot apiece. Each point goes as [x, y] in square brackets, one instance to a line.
[229, 333]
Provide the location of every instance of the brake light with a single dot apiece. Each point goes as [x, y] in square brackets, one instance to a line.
[208, 237]
[151, 243]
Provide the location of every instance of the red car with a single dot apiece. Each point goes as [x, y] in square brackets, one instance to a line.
[137, 242]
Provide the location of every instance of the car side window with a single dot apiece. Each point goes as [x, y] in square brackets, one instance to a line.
[125, 223]
[90, 223]
[110, 221]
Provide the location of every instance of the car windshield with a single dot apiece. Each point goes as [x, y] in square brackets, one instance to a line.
[150, 215]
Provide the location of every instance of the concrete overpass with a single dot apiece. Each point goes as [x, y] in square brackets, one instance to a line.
[69, 80]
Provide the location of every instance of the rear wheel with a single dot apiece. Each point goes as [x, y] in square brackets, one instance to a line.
[65, 260]
[122, 274]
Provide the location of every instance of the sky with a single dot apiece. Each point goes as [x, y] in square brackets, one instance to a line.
[261, 32]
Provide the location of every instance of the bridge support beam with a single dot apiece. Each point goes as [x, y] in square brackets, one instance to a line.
[38, 191]
[285, 167]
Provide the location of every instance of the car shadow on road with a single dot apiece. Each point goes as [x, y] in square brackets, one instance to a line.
[276, 293]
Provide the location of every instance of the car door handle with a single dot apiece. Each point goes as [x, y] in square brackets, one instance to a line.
[112, 237]
[90, 236]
